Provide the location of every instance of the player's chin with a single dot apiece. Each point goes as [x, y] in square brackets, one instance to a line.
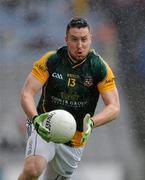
[80, 57]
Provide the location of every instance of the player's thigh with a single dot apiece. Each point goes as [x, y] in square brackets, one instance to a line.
[34, 164]
[36, 146]
[66, 160]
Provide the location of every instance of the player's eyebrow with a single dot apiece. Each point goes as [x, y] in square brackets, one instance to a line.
[73, 36]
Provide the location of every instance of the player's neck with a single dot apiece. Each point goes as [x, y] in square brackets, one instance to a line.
[73, 60]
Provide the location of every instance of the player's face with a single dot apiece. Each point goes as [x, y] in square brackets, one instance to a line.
[78, 41]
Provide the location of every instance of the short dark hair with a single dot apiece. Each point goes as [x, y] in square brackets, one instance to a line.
[78, 23]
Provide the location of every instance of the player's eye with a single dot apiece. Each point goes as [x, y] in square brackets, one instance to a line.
[84, 39]
[74, 39]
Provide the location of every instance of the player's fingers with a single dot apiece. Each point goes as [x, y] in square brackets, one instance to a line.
[45, 136]
[43, 116]
[86, 118]
[42, 129]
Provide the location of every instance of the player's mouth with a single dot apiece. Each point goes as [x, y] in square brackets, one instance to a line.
[79, 53]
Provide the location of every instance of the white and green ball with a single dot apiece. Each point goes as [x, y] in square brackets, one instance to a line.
[61, 126]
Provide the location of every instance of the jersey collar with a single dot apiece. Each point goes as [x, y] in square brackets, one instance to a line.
[74, 62]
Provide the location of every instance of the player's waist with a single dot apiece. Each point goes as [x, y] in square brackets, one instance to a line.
[76, 141]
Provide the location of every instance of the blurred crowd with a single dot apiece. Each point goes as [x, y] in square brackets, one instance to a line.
[129, 19]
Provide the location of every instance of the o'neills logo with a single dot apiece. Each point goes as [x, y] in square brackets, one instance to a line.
[110, 80]
[40, 67]
[88, 81]
[48, 121]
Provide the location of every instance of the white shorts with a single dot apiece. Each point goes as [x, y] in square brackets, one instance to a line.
[63, 160]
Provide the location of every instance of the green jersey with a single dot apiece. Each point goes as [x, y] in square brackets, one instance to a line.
[74, 87]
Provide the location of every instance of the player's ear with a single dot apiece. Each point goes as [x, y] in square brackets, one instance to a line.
[66, 38]
[91, 36]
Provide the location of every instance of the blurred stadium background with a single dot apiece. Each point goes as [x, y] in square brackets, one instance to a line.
[28, 29]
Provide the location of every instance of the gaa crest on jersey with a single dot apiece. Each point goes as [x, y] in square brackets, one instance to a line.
[57, 75]
[88, 82]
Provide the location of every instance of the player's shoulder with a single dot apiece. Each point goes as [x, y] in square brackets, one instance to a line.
[96, 58]
[49, 54]
[52, 55]
[43, 59]
[62, 51]
[54, 58]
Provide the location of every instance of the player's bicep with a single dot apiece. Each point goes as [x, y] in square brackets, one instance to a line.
[31, 86]
[111, 97]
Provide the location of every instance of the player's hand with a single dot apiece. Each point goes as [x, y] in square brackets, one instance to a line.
[88, 122]
[40, 128]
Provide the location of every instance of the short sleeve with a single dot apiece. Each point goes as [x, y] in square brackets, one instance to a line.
[108, 83]
[39, 69]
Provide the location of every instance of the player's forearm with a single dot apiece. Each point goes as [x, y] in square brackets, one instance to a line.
[28, 105]
[108, 114]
